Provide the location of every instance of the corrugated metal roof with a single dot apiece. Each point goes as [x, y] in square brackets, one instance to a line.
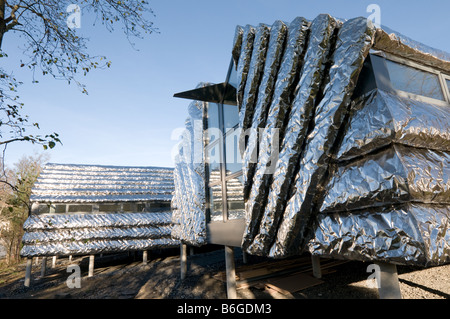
[96, 183]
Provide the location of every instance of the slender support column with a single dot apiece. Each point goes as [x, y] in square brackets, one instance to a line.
[388, 285]
[70, 258]
[91, 265]
[183, 260]
[54, 262]
[244, 257]
[28, 272]
[231, 272]
[44, 266]
[36, 261]
[145, 257]
[317, 272]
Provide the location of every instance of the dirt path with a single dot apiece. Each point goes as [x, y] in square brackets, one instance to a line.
[125, 277]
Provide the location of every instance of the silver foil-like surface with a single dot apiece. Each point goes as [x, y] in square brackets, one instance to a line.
[410, 234]
[96, 247]
[237, 44]
[311, 82]
[79, 234]
[381, 118]
[395, 175]
[354, 41]
[395, 43]
[66, 183]
[274, 55]
[279, 109]
[247, 106]
[189, 217]
[244, 61]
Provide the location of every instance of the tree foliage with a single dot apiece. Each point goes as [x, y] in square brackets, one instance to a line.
[14, 202]
[52, 47]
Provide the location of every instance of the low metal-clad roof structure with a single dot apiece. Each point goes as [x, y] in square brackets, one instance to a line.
[90, 209]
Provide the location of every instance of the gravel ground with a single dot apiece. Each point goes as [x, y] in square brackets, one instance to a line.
[126, 277]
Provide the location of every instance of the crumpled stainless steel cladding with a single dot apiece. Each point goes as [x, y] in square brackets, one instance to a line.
[96, 247]
[237, 44]
[279, 109]
[190, 219]
[258, 56]
[64, 234]
[400, 45]
[397, 174]
[311, 81]
[78, 234]
[72, 221]
[410, 234]
[380, 118]
[243, 65]
[354, 41]
[274, 55]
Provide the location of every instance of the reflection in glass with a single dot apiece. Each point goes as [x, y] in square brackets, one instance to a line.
[230, 116]
[233, 158]
[213, 121]
[235, 196]
[216, 206]
[412, 80]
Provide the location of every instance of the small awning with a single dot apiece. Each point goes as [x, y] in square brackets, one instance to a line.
[218, 93]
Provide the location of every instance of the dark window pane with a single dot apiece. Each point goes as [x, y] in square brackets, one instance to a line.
[235, 196]
[215, 201]
[412, 80]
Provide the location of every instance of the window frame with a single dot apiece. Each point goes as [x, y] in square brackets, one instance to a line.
[381, 78]
[445, 78]
[223, 156]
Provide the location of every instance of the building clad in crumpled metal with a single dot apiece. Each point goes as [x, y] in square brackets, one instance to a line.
[363, 179]
[90, 209]
[189, 203]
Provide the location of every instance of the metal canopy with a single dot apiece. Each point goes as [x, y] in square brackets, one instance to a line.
[218, 93]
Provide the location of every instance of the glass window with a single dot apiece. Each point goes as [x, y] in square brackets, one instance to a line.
[235, 196]
[213, 121]
[230, 116]
[233, 160]
[412, 80]
[448, 85]
[216, 205]
[213, 161]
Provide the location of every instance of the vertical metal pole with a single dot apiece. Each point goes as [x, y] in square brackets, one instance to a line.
[183, 260]
[91, 265]
[145, 257]
[388, 285]
[44, 266]
[54, 262]
[28, 272]
[231, 272]
[244, 257]
[317, 272]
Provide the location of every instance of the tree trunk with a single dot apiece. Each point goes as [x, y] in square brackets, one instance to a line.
[2, 21]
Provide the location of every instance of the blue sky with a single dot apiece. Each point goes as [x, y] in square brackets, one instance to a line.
[130, 114]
